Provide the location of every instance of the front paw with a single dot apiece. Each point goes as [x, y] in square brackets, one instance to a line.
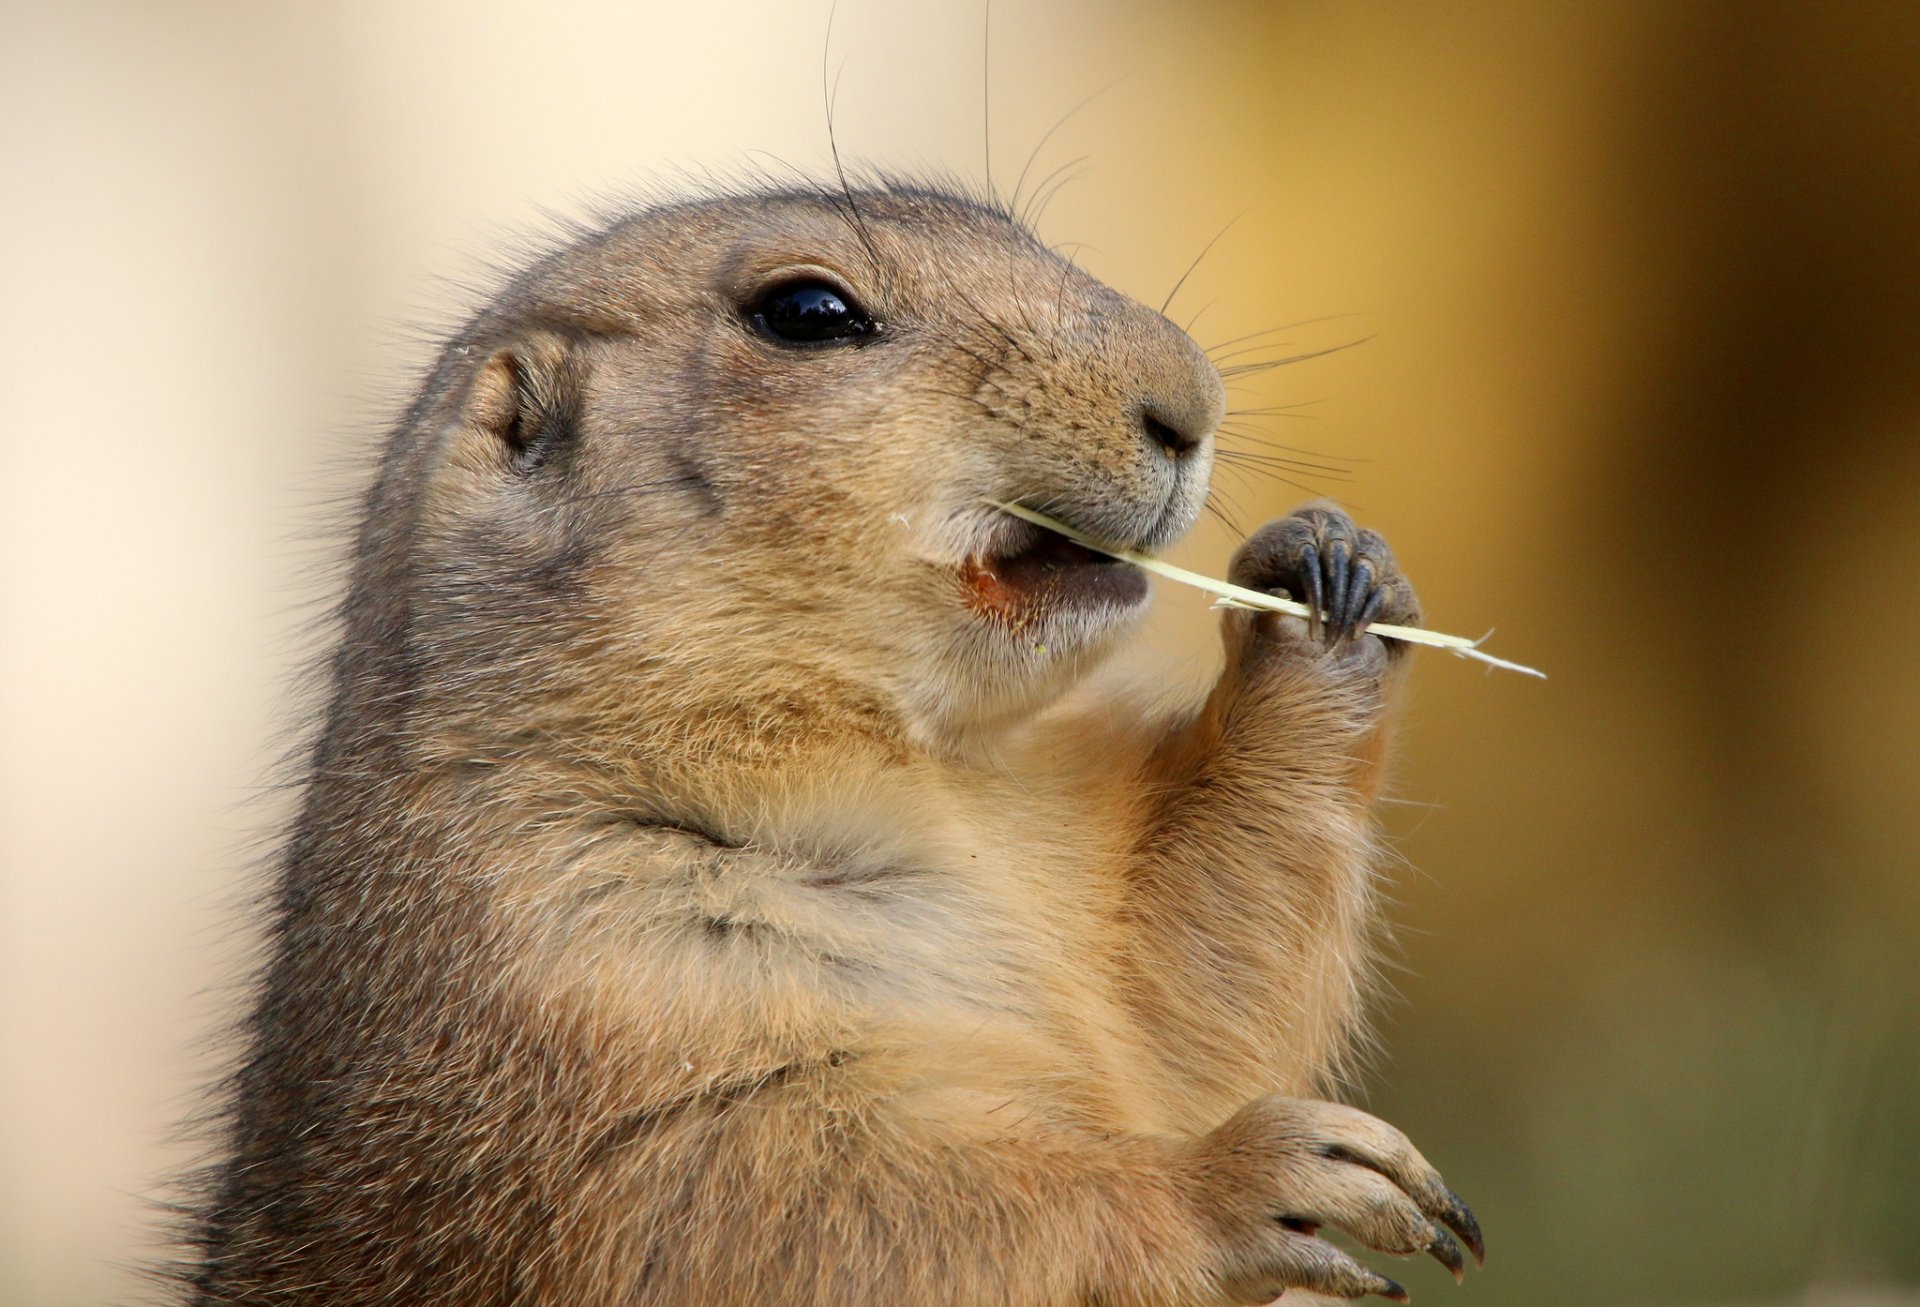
[1282, 1168]
[1345, 573]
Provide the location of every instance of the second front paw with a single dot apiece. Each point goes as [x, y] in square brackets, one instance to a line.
[1281, 1169]
[1345, 574]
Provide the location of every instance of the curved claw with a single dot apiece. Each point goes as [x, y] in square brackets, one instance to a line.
[1368, 611]
[1360, 591]
[1433, 1198]
[1337, 560]
[1459, 1219]
[1310, 582]
[1445, 1251]
[1316, 1266]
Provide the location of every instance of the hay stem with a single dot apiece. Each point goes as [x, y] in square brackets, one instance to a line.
[1228, 595]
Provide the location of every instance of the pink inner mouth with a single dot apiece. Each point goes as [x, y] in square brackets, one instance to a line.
[1049, 574]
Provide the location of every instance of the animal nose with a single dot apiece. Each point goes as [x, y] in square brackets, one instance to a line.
[1182, 401]
[1170, 395]
[1176, 433]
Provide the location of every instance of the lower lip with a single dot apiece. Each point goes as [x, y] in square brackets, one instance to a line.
[1021, 591]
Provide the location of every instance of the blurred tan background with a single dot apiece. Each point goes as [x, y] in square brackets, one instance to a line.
[1642, 388]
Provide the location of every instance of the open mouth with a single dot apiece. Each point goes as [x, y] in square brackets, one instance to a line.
[1043, 573]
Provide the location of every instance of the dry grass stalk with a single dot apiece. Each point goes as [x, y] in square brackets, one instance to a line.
[1227, 595]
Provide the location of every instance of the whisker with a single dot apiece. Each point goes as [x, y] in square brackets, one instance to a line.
[1196, 262]
[1013, 201]
[1285, 326]
[830, 93]
[1249, 459]
[1042, 197]
[1252, 369]
[986, 94]
[1240, 434]
[1271, 475]
[1246, 350]
[1218, 515]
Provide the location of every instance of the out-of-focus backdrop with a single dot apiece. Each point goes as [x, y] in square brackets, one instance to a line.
[1640, 288]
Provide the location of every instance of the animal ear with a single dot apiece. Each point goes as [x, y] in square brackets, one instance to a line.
[522, 410]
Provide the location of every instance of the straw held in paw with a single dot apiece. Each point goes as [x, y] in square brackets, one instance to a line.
[1228, 595]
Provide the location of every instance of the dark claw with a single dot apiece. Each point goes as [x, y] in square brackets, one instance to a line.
[1310, 582]
[1461, 1222]
[1359, 591]
[1393, 1291]
[1343, 577]
[1368, 611]
[1448, 1254]
[1337, 585]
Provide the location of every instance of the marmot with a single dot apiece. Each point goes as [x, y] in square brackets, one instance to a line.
[715, 883]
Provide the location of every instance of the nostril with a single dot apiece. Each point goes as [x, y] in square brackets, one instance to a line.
[1165, 434]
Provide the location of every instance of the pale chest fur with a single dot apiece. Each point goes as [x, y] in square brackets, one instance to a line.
[966, 932]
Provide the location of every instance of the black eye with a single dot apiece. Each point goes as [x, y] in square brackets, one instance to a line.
[810, 313]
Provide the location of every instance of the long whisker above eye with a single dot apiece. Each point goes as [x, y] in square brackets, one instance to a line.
[1013, 201]
[830, 94]
[1042, 196]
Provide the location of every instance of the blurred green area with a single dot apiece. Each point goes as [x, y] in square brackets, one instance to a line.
[1641, 289]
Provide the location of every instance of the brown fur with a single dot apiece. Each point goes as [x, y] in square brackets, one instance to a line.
[699, 899]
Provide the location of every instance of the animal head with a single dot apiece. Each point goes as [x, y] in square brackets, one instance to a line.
[732, 455]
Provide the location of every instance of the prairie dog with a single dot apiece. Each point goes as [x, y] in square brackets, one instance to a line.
[715, 883]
